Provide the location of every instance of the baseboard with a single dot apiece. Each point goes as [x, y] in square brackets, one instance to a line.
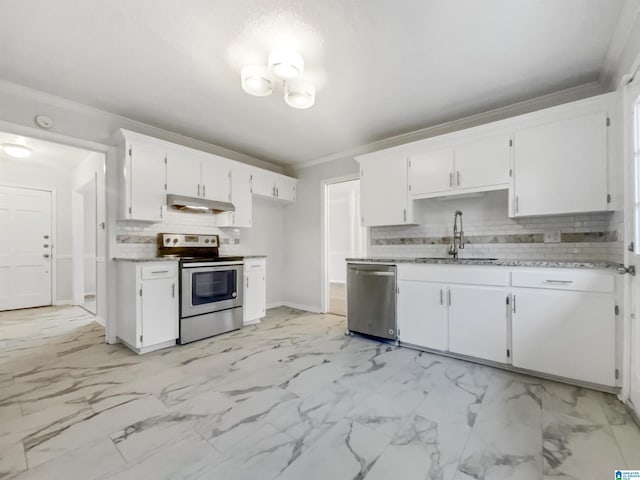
[63, 302]
[277, 304]
[100, 321]
[306, 308]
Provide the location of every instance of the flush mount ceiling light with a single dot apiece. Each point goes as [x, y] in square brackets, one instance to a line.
[286, 66]
[16, 151]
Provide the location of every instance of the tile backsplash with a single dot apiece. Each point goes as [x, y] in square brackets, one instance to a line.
[489, 232]
[138, 239]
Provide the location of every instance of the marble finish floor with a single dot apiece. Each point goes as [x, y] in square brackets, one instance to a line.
[290, 398]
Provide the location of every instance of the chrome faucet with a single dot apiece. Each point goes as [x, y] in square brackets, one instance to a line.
[458, 235]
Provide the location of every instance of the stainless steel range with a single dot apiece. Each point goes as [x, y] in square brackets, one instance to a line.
[210, 285]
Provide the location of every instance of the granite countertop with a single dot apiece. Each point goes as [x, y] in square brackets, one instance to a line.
[496, 262]
[146, 259]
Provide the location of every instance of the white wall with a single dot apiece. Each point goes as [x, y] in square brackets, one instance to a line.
[302, 230]
[90, 225]
[22, 174]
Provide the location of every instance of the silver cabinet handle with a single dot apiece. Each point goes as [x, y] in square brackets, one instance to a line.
[516, 204]
[451, 179]
[204, 188]
[160, 271]
[440, 296]
[247, 282]
[405, 215]
[458, 178]
[173, 290]
[514, 303]
[559, 282]
[46, 255]
[449, 296]
[198, 189]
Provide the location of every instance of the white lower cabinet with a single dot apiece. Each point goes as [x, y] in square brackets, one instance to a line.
[422, 314]
[565, 333]
[478, 322]
[147, 305]
[255, 290]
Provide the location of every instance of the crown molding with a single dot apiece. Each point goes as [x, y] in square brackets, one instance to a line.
[627, 21]
[13, 89]
[556, 98]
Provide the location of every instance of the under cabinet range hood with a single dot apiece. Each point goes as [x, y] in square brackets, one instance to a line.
[195, 204]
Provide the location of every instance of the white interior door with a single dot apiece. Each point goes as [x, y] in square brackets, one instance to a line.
[632, 222]
[25, 248]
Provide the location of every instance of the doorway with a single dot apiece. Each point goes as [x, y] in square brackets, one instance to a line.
[344, 238]
[85, 226]
[25, 248]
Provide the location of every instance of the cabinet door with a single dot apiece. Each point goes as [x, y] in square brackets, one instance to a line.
[561, 167]
[431, 172]
[483, 163]
[146, 180]
[183, 174]
[255, 295]
[422, 314]
[241, 198]
[384, 198]
[216, 179]
[264, 183]
[478, 322]
[159, 311]
[565, 333]
[286, 189]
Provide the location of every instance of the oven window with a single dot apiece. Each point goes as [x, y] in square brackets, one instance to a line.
[213, 286]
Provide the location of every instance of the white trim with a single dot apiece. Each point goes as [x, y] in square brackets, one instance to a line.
[306, 308]
[553, 99]
[626, 21]
[60, 102]
[324, 240]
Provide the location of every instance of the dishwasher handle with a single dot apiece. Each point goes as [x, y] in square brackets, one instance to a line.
[373, 273]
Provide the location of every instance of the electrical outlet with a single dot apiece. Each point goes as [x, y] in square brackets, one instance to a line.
[552, 236]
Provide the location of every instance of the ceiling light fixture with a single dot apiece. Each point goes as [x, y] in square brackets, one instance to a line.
[299, 94]
[286, 66]
[16, 151]
[256, 80]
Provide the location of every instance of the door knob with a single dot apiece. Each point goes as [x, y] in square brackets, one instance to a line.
[46, 236]
[46, 245]
[46, 255]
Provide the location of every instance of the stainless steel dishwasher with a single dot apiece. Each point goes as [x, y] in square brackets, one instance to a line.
[371, 299]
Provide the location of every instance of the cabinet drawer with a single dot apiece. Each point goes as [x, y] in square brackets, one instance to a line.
[562, 279]
[158, 270]
[254, 264]
[490, 276]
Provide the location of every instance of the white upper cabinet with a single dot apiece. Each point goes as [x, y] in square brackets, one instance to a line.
[216, 178]
[431, 172]
[273, 185]
[561, 166]
[143, 177]
[384, 198]
[184, 173]
[463, 167]
[483, 164]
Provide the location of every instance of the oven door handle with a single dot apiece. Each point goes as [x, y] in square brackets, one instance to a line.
[210, 264]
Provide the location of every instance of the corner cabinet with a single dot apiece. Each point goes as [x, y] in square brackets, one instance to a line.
[147, 305]
[142, 177]
[384, 198]
[255, 290]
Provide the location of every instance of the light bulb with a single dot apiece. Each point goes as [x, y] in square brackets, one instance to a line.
[256, 80]
[299, 94]
[286, 64]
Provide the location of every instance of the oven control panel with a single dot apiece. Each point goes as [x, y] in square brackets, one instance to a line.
[168, 240]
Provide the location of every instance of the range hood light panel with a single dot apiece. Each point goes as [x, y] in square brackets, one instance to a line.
[198, 204]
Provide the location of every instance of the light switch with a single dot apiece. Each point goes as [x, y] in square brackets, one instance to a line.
[552, 236]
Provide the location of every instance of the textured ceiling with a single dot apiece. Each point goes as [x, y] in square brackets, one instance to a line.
[381, 67]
